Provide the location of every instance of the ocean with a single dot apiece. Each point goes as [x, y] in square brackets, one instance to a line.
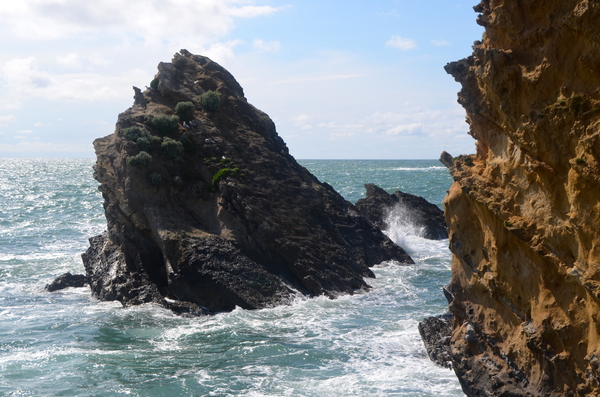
[67, 343]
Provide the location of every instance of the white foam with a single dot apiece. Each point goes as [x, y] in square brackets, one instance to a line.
[433, 168]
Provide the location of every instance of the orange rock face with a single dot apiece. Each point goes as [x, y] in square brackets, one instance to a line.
[524, 211]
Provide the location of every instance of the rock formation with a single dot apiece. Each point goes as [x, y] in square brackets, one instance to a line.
[436, 333]
[378, 205]
[67, 280]
[524, 211]
[206, 209]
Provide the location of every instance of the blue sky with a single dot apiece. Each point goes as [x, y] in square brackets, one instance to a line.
[341, 79]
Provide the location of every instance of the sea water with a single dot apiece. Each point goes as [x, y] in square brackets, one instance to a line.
[67, 343]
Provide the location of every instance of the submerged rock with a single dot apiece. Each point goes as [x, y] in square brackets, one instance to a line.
[209, 211]
[380, 207]
[67, 280]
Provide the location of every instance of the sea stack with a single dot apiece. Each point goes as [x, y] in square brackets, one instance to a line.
[206, 209]
[524, 211]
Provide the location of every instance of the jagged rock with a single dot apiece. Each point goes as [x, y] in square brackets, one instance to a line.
[447, 159]
[436, 333]
[217, 214]
[138, 97]
[378, 204]
[523, 217]
[67, 280]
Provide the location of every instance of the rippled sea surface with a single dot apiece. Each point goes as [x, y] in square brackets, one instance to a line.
[68, 344]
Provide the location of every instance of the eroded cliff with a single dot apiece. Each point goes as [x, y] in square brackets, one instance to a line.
[206, 209]
[524, 211]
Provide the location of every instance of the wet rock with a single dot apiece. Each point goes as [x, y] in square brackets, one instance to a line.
[436, 333]
[378, 205]
[67, 280]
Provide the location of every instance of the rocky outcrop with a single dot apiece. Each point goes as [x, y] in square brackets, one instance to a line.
[209, 211]
[436, 333]
[379, 205]
[67, 280]
[523, 212]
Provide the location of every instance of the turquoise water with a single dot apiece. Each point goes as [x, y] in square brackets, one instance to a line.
[68, 344]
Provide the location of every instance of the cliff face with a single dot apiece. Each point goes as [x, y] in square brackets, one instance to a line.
[524, 212]
[209, 211]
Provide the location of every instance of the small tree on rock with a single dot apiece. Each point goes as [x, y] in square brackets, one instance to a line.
[210, 101]
[185, 111]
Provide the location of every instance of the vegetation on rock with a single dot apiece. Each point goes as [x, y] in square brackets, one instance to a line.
[210, 101]
[185, 111]
[142, 159]
[163, 124]
[223, 173]
[134, 133]
[171, 148]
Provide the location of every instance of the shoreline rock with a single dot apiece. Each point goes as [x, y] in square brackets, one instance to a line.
[411, 209]
[67, 280]
[436, 333]
[206, 207]
[523, 211]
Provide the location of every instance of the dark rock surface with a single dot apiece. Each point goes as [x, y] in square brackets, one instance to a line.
[436, 333]
[378, 203]
[217, 214]
[67, 280]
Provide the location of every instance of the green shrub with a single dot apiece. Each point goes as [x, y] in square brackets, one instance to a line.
[171, 148]
[134, 133]
[579, 161]
[156, 141]
[154, 84]
[178, 181]
[142, 159]
[162, 124]
[155, 178]
[465, 158]
[185, 111]
[210, 101]
[144, 144]
[223, 173]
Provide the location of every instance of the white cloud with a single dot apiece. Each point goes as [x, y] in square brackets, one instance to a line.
[254, 11]
[25, 79]
[416, 121]
[301, 122]
[149, 22]
[222, 53]
[5, 120]
[405, 129]
[260, 45]
[340, 135]
[401, 43]
[439, 43]
[70, 61]
[306, 79]
[24, 132]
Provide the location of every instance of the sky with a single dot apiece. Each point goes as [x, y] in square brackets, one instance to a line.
[341, 79]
